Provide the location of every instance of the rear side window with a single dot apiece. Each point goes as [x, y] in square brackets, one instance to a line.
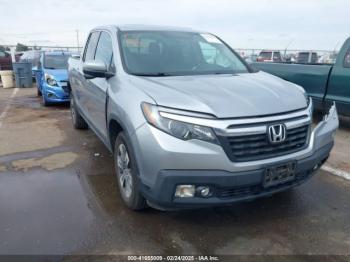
[347, 59]
[91, 46]
[104, 50]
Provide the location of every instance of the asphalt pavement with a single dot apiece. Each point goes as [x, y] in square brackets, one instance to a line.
[58, 195]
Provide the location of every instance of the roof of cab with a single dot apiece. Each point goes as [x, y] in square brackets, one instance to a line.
[132, 27]
[57, 53]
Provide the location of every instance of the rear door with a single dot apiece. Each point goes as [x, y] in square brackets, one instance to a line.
[81, 93]
[339, 84]
[97, 87]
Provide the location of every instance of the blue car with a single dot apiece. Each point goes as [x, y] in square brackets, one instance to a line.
[52, 77]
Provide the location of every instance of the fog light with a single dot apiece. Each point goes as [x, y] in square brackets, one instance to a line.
[204, 191]
[315, 167]
[185, 191]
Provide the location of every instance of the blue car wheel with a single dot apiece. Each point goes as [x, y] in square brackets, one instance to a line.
[38, 90]
[45, 102]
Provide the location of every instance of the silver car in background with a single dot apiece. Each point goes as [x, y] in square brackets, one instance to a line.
[189, 123]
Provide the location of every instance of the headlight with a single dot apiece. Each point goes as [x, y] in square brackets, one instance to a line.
[50, 80]
[182, 130]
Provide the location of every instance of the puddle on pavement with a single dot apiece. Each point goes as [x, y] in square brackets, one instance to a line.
[43, 212]
[51, 162]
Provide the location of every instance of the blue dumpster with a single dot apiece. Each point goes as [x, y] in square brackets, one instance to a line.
[23, 74]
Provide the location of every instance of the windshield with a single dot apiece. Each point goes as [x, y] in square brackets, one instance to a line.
[56, 61]
[163, 53]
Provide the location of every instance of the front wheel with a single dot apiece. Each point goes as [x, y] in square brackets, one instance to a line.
[45, 103]
[38, 90]
[126, 170]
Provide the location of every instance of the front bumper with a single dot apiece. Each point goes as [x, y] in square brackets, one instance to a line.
[55, 94]
[165, 161]
[227, 187]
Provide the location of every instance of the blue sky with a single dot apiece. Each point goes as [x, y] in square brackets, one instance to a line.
[303, 24]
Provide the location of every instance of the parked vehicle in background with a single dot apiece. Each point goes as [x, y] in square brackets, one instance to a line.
[307, 58]
[324, 83]
[32, 56]
[270, 56]
[289, 58]
[5, 61]
[329, 58]
[189, 123]
[52, 77]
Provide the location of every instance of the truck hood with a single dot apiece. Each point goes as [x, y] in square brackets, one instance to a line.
[225, 96]
[58, 74]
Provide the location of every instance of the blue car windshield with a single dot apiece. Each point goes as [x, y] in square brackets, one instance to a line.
[165, 53]
[56, 61]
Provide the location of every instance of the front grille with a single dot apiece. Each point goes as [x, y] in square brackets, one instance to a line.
[256, 147]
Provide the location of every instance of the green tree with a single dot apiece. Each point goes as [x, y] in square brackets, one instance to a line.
[20, 47]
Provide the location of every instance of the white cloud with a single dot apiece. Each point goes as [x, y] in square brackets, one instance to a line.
[317, 24]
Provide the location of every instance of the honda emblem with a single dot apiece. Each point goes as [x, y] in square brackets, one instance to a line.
[277, 133]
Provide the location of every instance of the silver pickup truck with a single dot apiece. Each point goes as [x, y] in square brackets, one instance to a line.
[189, 123]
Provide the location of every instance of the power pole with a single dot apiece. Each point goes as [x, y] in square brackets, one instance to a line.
[77, 39]
[289, 43]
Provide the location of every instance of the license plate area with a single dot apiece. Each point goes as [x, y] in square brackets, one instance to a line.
[279, 174]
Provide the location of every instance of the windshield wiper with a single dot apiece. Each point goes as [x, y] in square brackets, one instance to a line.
[159, 74]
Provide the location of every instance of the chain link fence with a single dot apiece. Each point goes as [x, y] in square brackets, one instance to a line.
[250, 54]
[323, 56]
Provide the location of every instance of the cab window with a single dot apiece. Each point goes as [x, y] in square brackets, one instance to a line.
[91, 46]
[104, 50]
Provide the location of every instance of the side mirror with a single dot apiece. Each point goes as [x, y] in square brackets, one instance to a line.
[94, 69]
[75, 56]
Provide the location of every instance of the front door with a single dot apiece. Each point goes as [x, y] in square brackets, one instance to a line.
[97, 87]
[81, 92]
[339, 85]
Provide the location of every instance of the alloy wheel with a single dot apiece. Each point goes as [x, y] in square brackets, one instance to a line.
[124, 171]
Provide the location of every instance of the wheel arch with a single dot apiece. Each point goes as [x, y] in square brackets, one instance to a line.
[114, 128]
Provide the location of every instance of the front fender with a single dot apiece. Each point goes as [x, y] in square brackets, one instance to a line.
[324, 132]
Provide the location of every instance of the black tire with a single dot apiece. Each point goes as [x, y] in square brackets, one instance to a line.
[38, 91]
[45, 103]
[134, 200]
[77, 120]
